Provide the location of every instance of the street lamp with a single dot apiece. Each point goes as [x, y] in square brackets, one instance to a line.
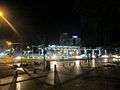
[13, 28]
[1, 14]
[9, 43]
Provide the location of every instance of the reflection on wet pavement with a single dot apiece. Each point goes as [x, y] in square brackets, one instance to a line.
[78, 74]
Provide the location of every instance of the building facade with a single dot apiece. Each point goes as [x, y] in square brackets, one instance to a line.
[69, 39]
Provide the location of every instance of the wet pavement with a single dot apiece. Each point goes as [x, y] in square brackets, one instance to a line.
[64, 75]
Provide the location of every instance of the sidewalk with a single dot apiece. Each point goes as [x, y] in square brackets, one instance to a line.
[98, 79]
[5, 71]
[6, 80]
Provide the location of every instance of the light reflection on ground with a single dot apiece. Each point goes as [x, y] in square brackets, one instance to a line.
[93, 62]
[66, 70]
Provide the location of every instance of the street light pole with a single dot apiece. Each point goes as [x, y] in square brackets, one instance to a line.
[11, 26]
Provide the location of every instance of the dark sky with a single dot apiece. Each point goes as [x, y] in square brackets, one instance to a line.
[97, 21]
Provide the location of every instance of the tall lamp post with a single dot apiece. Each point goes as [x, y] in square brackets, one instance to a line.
[12, 27]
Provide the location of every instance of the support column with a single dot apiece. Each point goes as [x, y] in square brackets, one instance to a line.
[42, 51]
[93, 52]
[85, 51]
[67, 54]
[105, 52]
[99, 52]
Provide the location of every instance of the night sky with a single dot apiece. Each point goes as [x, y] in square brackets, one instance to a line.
[97, 21]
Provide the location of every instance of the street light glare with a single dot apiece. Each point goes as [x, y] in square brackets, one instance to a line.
[9, 43]
[5, 19]
[1, 13]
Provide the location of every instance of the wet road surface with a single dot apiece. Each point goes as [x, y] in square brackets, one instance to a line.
[67, 75]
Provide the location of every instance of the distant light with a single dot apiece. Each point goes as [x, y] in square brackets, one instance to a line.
[116, 56]
[18, 57]
[78, 57]
[8, 50]
[114, 59]
[54, 57]
[52, 45]
[75, 37]
[28, 47]
[20, 69]
[105, 56]
[93, 56]
[9, 43]
[2, 54]
[105, 60]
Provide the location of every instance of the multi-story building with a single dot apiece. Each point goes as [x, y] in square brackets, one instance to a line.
[69, 39]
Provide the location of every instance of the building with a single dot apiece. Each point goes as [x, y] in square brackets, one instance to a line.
[62, 52]
[69, 39]
[58, 52]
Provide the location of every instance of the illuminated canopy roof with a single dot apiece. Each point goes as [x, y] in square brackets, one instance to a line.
[60, 46]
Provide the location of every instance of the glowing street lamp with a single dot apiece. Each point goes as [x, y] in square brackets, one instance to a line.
[13, 28]
[1, 14]
[8, 43]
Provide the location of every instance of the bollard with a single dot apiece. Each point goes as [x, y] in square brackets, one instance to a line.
[48, 65]
[55, 69]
